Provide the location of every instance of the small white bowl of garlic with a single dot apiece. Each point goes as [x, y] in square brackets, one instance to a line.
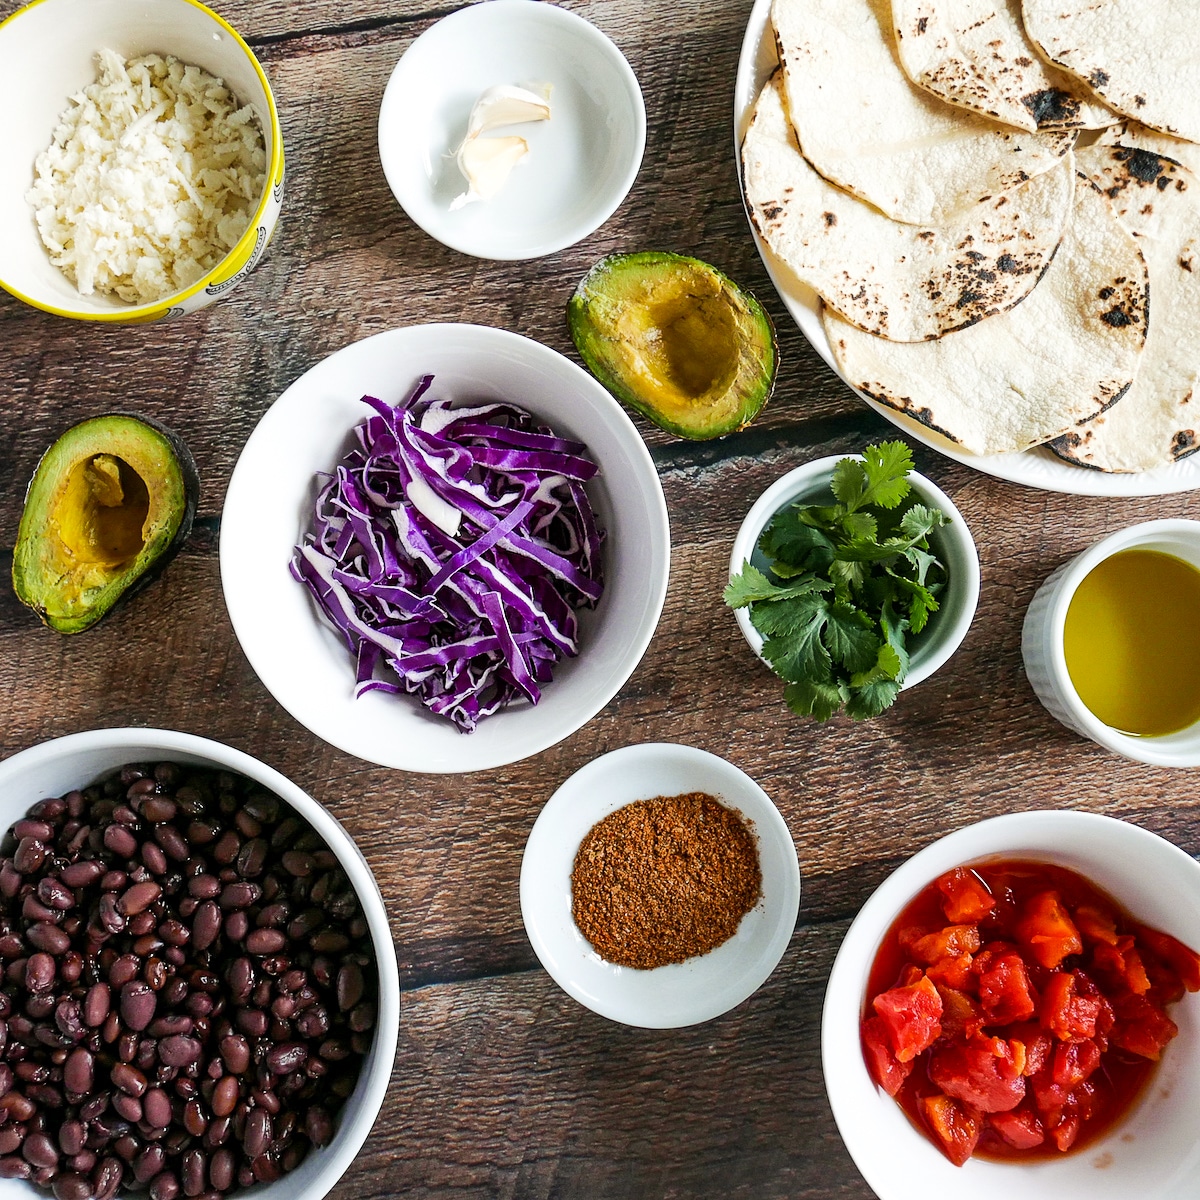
[511, 129]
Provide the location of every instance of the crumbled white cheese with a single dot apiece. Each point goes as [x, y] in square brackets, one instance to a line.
[152, 177]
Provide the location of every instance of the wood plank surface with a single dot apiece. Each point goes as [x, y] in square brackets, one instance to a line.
[504, 1087]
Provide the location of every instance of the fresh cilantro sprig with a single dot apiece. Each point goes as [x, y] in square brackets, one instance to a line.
[846, 583]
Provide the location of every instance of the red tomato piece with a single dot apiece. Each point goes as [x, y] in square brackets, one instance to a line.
[1074, 1062]
[1020, 1128]
[1064, 1011]
[1004, 991]
[912, 1016]
[1046, 928]
[961, 1016]
[951, 942]
[1184, 961]
[1097, 925]
[1036, 1046]
[1121, 967]
[980, 1071]
[952, 972]
[955, 1127]
[885, 1069]
[1065, 1132]
[1142, 1027]
[965, 897]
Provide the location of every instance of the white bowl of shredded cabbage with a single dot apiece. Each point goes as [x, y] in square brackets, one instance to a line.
[145, 176]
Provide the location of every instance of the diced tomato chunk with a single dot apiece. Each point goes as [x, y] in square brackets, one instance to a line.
[1096, 924]
[1004, 991]
[885, 1069]
[1065, 1012]
[952, 972]
[1065, 1132]
[1046, 928]
[1037, 1046]
[1184, 961]
[965, 897]
[1020, 1128]
[961, 1016]
[912, 1016]
[980, 1071]
[955, 1127]
[951, 942]
[1142, 1027]
[1074, 1062]
[1121, 965]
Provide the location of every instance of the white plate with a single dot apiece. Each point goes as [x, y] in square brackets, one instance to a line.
[305, 664]
[1038, 467]
[581, 163]
[682, 993]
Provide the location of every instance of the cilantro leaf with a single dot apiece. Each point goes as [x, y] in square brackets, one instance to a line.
[809, 698]
[885, 467]
[918, 521]
[861, 525]
[848, 577]
[851, 637]
[791, 633]
[921, 602]
[795, 543]
[886, 665]
[923, 562]
[753, 586]
[870, 700]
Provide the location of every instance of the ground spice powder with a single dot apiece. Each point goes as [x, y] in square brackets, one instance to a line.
[663, 880]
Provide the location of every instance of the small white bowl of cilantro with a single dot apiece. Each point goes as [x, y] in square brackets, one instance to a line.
[853, 578]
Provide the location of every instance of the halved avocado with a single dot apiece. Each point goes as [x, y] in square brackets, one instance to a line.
[108, 507]
[675, 340]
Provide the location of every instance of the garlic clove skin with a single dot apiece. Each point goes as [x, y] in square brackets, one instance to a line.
[506, 105]
[486, 163]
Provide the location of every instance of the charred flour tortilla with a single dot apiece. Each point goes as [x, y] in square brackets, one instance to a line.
[1158, 420]
[900, 281]
[1067, 352]
[1142, 137]
[975, 53]
[864, 125]
[1142, 57]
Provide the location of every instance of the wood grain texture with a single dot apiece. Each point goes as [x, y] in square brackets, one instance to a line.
[504, 1087]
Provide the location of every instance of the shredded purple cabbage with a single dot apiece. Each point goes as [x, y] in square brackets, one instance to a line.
[451, 550]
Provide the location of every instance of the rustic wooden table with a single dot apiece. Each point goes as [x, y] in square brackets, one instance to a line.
[503, 1086]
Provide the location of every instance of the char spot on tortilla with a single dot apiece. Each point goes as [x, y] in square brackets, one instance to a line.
[1024, 62]
[1050, 104]
[829, 218]
[1098, 78]
[1184, 443]
[772, 211]
[1105, 292]
[1141, 164]
[1186, 264]
[922, 24]
[1140, 101]
[1117, 318]
[1163, 183]
[968, 297]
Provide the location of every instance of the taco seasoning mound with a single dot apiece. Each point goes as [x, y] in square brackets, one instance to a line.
[664, 880]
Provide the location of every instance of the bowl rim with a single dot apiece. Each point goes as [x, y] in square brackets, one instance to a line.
[791, 486]
[272, 176]
[545, 844]
[551, 13]
[350, 1137]
[1157, 751]
[1004, 833]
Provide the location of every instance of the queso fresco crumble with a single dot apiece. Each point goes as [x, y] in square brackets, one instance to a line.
[152, 177]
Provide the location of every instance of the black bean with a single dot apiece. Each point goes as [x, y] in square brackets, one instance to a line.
[78, 1071]
[120, 841]
[44, 936]
[138, 1003]
[221, 1170]
[40, 1151]
[156, 1108]
[39, 972]
[70, 1186]
[262, 941]
[349, 986]
[179, 1050]
[239, 895]
[139, 897]
[96, 1004]
[194, 1173]
[30, 854]
[55, 894]
[164, 1186]
[12, 1167]
[258, 1132]
[106, 1178]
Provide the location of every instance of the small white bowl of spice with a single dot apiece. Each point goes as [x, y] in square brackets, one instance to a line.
[660, 886]
[512, 129]
[144, 177]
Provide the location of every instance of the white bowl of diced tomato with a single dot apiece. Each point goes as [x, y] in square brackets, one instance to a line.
[1014, 1013]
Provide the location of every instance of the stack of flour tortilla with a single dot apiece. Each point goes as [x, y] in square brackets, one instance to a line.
[918, 164]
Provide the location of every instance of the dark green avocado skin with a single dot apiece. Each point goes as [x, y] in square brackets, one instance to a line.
[608, 286]
[142, 574]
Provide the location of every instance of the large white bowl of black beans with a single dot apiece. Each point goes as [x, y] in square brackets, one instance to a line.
[198, 986]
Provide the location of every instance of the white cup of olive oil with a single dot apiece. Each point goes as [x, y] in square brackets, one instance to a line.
[1112, 643]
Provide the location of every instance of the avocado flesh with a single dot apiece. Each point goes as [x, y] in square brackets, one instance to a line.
[676, 340]
[107, 507]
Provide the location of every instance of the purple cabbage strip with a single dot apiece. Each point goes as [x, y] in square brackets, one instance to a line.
[451, 550]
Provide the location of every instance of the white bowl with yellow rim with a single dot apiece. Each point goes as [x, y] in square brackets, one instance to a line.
[1043, 647]
[47, 55]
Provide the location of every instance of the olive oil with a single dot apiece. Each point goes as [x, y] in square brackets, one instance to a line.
[1132, 642]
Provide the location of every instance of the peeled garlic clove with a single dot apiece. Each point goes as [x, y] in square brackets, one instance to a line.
[486, 162]
[506, 105]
